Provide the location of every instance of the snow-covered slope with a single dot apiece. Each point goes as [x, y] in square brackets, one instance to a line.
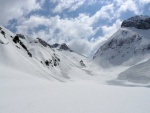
[139, 73]
[127, 46]
[36, 57]
[28, 58]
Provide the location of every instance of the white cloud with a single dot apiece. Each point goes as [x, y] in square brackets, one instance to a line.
[67, 4]
[85, 47]
[128, 5]
[70, 5]
[75, 32]
[109, 30]
[81, 46]
[104, 13]
[14, 9]
[77, 5]
[67, 29]
[35, 21]
[78, 30]
[144, 1]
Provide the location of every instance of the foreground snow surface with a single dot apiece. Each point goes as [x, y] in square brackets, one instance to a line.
[43, 96]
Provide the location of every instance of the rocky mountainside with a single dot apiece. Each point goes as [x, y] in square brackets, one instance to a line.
[128, 45]
[139, 22]
[38, 58]
[61, 47]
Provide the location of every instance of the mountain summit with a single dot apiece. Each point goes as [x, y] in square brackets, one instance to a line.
[130, 42]
[37, 58]
[139, 22]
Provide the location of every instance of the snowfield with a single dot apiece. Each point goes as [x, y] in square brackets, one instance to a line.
[42, 96]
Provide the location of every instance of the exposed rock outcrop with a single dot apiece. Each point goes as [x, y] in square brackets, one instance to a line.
[139, 22]
[64, 46]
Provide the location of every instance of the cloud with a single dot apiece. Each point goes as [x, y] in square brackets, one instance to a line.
[67, 4]
[85, 47]
[81, 46]
[70, 5]
[128, 5]
[74, 31]
[14, 9]
[66, 29]
[109, 30]
[144, 1]
[78, 30]
[35, 21]
[104, 13]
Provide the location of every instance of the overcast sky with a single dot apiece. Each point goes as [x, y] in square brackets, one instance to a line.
[82, 24]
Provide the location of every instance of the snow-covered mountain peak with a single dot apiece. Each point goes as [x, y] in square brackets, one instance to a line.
[127, 44]
[61, 47]
[56, 45]
[64, 46]
[38, 58]
[139, 22]
[44, 43]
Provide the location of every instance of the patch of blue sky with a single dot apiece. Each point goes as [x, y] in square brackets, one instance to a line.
[40, 28]
[146, 9]
[85, 9]
[126, 15]
[46, 10]
[12, 25]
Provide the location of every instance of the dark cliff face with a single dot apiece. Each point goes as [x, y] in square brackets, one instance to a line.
[44, 43]
[55, 45]
[64, 47]
[139, 22]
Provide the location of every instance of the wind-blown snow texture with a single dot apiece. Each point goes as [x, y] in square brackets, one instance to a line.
[32, 75]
